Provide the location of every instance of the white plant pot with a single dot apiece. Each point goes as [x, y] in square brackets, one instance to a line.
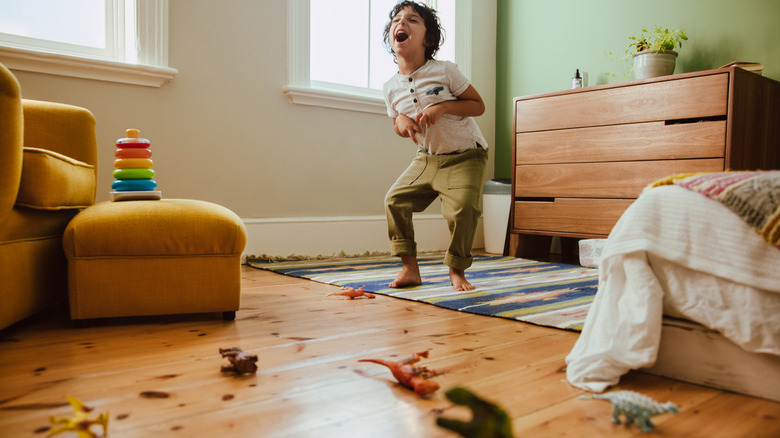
[653, 64]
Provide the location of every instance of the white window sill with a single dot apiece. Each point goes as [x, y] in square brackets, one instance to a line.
[86, 68]
[335, 99]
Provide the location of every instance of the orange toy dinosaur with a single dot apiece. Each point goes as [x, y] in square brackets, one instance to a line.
[410, 376]
[353, 293]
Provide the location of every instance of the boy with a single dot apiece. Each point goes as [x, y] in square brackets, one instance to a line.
[433, 104]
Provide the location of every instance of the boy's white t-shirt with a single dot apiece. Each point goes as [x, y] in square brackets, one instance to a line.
[434, 82]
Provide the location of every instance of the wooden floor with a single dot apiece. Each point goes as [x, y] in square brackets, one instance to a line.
[310, 384]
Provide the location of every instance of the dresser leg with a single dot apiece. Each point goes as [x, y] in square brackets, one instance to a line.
[570, 251]
[529, 246]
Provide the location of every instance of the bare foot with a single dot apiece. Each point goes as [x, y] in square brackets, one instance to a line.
[459, 282]
[409, 275]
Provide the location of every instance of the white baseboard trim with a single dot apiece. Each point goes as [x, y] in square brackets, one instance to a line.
[325, 236]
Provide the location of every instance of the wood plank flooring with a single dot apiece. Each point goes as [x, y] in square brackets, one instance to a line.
[309, 383]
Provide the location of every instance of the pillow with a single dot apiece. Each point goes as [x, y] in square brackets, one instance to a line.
[52, 181]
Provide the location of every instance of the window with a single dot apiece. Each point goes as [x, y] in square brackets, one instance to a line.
[355, 80]
[113, 40]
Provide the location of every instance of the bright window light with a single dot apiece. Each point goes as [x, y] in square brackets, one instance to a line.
[346, 48]
[84, 27]
[336, 58]
[113, 40]
[78, 22]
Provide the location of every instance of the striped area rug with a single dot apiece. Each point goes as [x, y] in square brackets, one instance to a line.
[548, 294]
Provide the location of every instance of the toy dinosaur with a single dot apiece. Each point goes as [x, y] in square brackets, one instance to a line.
[80, 423]
[353, 293]
[634, 407]
[488, 420]
[240, 362]
[410, 376]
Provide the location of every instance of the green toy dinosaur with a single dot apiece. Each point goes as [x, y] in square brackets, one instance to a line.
[634, 407]
[488, 420]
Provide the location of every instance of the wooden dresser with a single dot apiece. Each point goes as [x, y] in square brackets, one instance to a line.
[582, 156]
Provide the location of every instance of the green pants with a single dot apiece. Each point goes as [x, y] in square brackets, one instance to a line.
[455, 178]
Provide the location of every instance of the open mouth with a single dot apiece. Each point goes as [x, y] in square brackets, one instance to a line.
[401, 36]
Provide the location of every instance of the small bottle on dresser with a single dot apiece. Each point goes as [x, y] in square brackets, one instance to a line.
[576, 81]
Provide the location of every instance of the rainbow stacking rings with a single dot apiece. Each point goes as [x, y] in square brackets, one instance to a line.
[133, 174]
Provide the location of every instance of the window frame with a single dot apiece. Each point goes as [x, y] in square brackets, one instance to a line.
[301, 90]
[152, 39]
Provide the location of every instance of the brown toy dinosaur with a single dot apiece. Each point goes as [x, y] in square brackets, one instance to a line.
[353, 293]
[240, 362]
[410, 376]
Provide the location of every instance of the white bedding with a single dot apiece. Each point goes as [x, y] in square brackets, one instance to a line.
[676, 252]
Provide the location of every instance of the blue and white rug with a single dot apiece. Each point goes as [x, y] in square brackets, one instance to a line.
[547, 294]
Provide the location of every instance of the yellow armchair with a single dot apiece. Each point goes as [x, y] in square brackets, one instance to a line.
[48, 157]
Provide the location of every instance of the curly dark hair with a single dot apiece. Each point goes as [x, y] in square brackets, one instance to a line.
[434, 37]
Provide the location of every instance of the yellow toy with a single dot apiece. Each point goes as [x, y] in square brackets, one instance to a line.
[80, 423]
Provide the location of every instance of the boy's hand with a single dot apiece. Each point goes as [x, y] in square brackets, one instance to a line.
[429, 116]
[468, 104]
[406, 127]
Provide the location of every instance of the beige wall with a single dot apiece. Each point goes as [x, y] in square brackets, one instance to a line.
[222, 131]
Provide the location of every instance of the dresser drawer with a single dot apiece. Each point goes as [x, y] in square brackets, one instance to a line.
[694, 97]
[601, 180]
[574, 216]
[582, 156]
[633, 142]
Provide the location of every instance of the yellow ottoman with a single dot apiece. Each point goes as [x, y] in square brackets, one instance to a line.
[171, 256]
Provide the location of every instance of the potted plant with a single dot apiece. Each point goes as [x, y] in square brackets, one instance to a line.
[653, 51]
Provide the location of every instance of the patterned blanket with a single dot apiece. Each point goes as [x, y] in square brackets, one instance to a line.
[753, 196]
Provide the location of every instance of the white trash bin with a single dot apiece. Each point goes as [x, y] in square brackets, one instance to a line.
[496, 201]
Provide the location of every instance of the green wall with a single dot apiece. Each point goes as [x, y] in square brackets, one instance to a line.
[540, 43]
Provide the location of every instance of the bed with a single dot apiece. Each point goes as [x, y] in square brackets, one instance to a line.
[689, 288]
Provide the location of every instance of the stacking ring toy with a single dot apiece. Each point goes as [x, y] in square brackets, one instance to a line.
[133, 140]
[133, 153]
[125, 185]
[133, 163]
[133, 171]
[131, 144]
[133, 174]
